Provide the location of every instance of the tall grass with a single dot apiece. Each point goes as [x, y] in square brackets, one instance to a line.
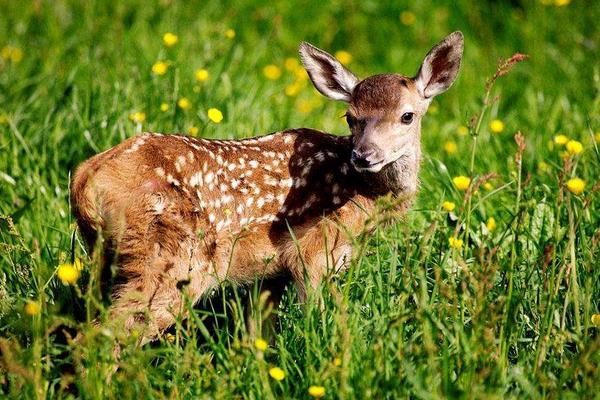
[511, 313]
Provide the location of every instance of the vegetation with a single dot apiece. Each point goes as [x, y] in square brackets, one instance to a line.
[489, 287]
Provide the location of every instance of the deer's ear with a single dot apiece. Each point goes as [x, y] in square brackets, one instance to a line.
[440, 66]
[327, 74]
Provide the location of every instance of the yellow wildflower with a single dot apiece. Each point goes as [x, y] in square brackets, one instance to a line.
[67, 273]
[304, 106]
[455, 243]
[496, 126]
[461, 182]
[164, 107]
[160, 68]
[542, 166]
[215, 115]
[78, 264]
[597, 137]
[560, 3]
[184, 103]
[291, 64]
[491, 224]
[450, 147]
[32, 308]
[408, 18]
[260, 344]
[574, 147]
[488, 186]
[576, 185]
[596, 320]
[272, 72]
[137, 117]
[462, 130]
[316, 391]
[343, 56]
[337, 362]
[448, 206]
[292, 90]
[277, 373]
[301, 74]
[170, 39]
[202, 75]
[561, 140]
[170, 337]
[193, 130]
[14, 54]
[229, 33]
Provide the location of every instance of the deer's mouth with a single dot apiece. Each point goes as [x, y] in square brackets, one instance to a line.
[370, 167]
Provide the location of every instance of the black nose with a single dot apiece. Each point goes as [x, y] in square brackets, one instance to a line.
[360, 159]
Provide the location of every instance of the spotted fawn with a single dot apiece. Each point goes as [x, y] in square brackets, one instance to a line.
[180, 214]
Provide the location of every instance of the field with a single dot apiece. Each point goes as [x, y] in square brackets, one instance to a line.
[489, 292]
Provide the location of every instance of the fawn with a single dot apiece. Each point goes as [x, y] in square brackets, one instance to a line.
[173, 209]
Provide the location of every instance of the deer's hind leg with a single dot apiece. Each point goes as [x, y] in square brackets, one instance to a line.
[160, 262]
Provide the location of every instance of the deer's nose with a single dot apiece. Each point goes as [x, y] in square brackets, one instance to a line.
[362, 159]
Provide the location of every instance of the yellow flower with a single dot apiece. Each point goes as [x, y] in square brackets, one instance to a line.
[450, 147]
[408, 18]
[67, 273]
[193, 130]
[343, 56]
[597, 137]
[229, 33]
[488, 186]
[596, 320]
[202, 75]
[574, 147]
[560, 3]
[164, 107]
[448, 206]
[461, 182]
[215, 115]
[576, 185]
[291, 64]
[455, 243]
[491, 224]
[184, 103]
[304, 106]
[170, 39]
[272, 72]
[277, 373]
[32, 308]
[11, 53]
[561, 140]
[137, 117]
[78, 264]
[260, 344]
[160, 68]
[316, 391]
[337, 362]
[170, 337]
[292, 90]
[301, 75]
[462, 130]
[542, 166]
[496, 126]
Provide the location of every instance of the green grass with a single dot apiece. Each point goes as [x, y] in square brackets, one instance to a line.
[509, 315]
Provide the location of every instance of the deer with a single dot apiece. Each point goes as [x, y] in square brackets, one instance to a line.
[180, 214]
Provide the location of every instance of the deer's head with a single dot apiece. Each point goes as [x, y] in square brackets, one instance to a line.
[384, 111]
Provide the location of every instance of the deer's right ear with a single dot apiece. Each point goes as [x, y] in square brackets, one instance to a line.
[328, 75]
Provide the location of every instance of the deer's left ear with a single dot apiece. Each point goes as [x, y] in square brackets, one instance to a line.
[328, 75]
[440, 66]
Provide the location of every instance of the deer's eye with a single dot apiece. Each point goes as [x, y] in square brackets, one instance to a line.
[407, 118]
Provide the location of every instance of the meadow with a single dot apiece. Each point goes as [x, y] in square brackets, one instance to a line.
[488, 288]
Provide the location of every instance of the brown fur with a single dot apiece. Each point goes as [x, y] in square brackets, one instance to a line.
[181, 214]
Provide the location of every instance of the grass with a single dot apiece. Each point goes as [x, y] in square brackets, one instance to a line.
[509, 314]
